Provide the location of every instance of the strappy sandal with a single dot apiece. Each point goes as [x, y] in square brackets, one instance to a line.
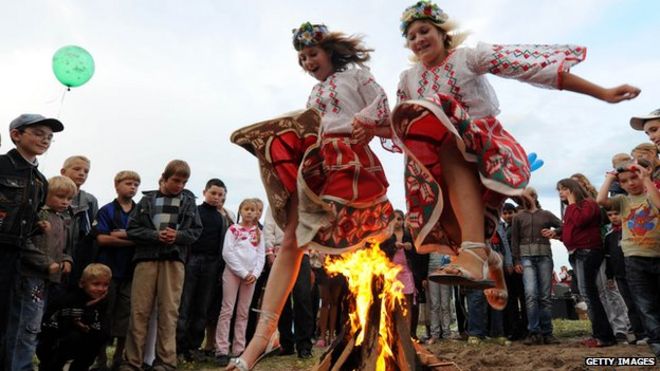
[464, 277]
[267, 325]
[497, 297]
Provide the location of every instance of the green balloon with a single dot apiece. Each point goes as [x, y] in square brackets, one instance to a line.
[73, 66]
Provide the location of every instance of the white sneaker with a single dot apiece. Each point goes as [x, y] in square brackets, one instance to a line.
[644, 341]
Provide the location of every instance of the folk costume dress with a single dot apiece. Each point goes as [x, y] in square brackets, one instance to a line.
[340, 184]
[458, 100]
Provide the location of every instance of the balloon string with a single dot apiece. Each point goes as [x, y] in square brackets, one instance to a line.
[59, 112]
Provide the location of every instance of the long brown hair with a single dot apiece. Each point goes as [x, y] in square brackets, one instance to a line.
[531, 191]
[588, 187]
[574, 187]
[344, 50]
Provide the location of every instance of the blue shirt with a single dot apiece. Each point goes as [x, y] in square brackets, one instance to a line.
[112, 217]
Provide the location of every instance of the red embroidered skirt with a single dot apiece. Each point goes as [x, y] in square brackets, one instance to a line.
[420, 128]
[341, 186]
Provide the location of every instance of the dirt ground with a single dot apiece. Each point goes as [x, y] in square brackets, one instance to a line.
[569, 355]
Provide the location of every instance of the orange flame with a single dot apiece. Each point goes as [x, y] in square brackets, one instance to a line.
[359, 268]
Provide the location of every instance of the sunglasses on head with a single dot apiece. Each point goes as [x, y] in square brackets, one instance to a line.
[641, 162]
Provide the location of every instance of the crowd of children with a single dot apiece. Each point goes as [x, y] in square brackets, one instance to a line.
[141, 253]
[77, 276]
[73, 277]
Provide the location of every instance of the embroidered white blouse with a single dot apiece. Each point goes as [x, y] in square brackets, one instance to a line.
[244, 250]
[348, 95]
[462, 74]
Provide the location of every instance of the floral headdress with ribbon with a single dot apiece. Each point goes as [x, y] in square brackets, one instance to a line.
[422, 10]
[308, 35]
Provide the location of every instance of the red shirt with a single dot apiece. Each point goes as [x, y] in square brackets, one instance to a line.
[581, 229]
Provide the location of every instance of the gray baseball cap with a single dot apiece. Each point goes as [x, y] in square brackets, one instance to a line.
[28, 119]
[637, 122]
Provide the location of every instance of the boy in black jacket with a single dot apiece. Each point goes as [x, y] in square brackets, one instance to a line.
[22, 193]
[44, 262]
[75, 324]
[202, 270]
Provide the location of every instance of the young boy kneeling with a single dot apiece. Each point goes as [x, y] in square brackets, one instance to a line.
[74, 326]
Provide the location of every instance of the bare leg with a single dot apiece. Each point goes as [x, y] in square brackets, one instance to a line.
[464, 189]
[323, 316]
[498, 296]
[209, 344]
[282, 277]
[409, 314]
[335, 298]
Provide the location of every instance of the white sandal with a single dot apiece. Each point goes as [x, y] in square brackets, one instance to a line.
[267, 325]
[497, 297]
[239, 364]
[464, 277]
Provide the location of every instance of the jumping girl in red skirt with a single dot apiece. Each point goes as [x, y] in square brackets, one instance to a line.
[460, 162]
[327, 189]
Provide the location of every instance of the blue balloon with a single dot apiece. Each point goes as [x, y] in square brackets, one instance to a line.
[536, 165]
[531, 157]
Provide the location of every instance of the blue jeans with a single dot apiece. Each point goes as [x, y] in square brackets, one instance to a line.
[587, 266]
[477, 313]
[198, 285]
[27, 305]
[537, 280]
[643, 276]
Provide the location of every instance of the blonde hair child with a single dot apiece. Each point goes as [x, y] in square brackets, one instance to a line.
[244, 253]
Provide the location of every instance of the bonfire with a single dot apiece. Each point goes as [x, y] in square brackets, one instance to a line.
[377, 336]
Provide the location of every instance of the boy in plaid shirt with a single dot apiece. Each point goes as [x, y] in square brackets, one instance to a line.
[163, 225]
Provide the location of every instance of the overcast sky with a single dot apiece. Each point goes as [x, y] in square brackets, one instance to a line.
[174, 79]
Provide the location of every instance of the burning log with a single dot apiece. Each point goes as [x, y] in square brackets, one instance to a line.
[408, 355]
[376, 338]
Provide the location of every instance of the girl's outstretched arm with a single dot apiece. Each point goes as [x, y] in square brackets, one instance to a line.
[611, 95]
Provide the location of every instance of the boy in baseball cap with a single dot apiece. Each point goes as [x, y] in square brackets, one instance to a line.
[650, 124]
[23, 190]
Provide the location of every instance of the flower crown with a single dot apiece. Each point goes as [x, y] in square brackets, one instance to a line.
[308, 35]
[422, 10]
